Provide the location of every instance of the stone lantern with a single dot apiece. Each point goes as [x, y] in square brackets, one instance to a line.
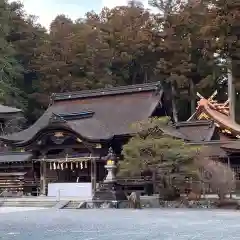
[111, 167]
[110, 190]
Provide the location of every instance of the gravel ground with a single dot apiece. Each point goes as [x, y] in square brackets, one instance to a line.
[110, 224]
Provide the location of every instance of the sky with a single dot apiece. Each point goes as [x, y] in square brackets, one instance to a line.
[47, 10]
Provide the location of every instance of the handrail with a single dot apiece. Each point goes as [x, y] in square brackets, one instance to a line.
[2, 192]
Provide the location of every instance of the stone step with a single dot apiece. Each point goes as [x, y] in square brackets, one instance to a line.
[72, 205]
[42, 204]
[61, 204]
[78, 205]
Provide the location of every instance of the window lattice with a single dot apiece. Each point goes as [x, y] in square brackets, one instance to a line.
[236, 169]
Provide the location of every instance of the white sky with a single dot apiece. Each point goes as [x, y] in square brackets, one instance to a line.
[114, 3]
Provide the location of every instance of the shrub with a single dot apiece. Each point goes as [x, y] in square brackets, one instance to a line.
[218, 175]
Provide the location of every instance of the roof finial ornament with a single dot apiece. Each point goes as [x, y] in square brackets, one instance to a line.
[111, 153]
[51, 100]
[110, 156]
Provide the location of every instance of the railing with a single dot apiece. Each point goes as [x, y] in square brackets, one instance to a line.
[2, 192]
[133, 184]
[183, 185]
[134, 180]
[12, 194]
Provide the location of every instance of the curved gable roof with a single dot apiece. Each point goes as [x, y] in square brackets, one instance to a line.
[114, 112]
[223, 120]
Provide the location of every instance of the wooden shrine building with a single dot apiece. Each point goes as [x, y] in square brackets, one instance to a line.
[69, 142]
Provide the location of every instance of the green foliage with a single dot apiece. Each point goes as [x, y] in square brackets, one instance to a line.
[222, 33]
[152, 149]
[10, 69]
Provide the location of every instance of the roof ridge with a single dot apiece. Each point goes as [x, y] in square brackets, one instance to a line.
[104, 91]
[193, 123]
[212, 142]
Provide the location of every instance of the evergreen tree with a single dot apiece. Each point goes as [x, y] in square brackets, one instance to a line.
[10, 69]
[26, 36]
[152, 149]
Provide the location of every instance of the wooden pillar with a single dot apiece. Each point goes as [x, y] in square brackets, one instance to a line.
[154, 180]
[203, 189]
[231, 92]
[43, 167]
[229, 165]
[93, 174]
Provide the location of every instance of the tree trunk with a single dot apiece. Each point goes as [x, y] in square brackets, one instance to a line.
[192, 93]
[174, 105]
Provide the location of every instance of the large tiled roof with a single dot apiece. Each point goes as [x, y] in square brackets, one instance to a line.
[196, 131]
[113, 110]
[191, 131]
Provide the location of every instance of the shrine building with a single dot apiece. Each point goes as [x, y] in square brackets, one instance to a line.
[69, 142]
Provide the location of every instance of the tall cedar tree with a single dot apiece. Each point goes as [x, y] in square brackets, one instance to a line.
[184, 65]
[222, 30]
[26, 36]
[10, 69]
[128, 32]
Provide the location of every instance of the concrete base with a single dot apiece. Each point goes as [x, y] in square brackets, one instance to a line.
[109, 191]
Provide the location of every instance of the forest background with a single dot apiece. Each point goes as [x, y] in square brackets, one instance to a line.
[186, 45]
